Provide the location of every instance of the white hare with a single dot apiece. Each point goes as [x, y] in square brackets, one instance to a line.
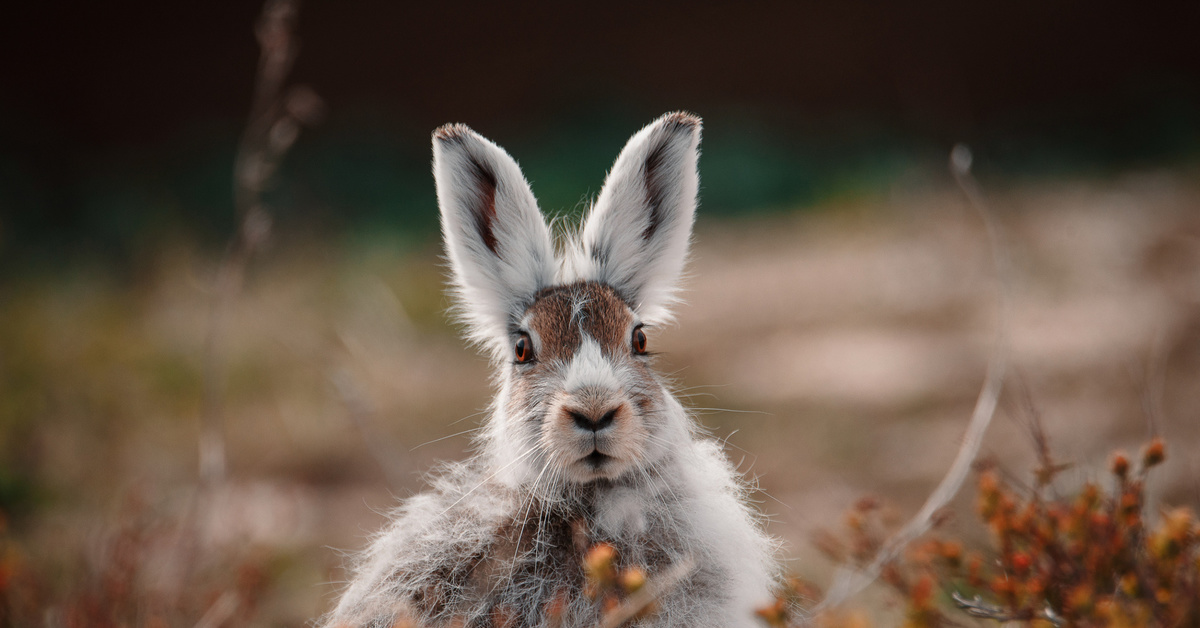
[583, 443]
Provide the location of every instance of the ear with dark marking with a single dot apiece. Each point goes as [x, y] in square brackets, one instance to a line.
[499, 246]
[636, 237]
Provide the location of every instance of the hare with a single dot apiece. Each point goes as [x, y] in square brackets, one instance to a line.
[584, 443]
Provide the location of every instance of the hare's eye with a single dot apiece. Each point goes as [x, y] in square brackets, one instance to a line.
[639, 341]
[524, 349]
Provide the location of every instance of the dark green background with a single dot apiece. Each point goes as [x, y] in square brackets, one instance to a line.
[118, 121]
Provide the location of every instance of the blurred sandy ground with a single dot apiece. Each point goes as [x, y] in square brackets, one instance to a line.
[837, 352]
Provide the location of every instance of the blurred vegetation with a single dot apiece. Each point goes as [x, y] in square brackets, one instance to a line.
[102, 376]
[1091, 558]
[364, 173]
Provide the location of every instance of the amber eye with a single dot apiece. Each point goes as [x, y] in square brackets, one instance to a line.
[524, 349]
[639, 341]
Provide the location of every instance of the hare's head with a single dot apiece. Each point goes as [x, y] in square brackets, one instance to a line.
[572, 331]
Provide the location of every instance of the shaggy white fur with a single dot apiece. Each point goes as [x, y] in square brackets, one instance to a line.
[584, 443]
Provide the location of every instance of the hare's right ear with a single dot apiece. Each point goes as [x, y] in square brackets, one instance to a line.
[636, 237]
[499, 246]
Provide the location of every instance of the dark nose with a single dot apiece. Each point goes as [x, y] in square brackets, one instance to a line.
[591, 423]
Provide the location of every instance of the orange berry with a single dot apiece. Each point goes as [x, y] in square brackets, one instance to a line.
[600, 563]
[1129, 585]
[975, 571]
[633, 579]
[922, 592]
[1090, 496]
[1079, 599]
[1131, 505]
[1154, 453]
[774, 614]
[1177, 523]
[989, 481]
[803, 589]
[952, 552]
[1120, 464]
[1021, 562]
[1163, 547]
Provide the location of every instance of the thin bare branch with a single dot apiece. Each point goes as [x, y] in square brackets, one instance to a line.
[976, 607]
[274, 124]
[220, 611]
[646, 595]
[849, 581]
[1047, 468]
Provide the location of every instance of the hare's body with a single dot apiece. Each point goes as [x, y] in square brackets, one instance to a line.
[584, 443]
[460, 555]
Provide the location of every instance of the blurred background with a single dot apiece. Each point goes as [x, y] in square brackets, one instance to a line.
[839, 317]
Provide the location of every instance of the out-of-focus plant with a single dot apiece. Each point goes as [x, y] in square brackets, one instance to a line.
[145, 568]
[1090, 559]
[276, 117]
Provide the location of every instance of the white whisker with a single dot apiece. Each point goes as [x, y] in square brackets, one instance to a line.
[488, 479]
[521, 519]
[442, 438]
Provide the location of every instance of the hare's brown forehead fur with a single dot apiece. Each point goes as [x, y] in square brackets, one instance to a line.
[560, 314]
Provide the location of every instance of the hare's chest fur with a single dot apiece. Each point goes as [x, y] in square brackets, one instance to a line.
[473, 553]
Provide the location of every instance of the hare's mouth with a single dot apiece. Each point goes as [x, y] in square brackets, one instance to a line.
[596, 459]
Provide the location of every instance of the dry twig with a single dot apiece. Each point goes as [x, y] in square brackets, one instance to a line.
[849, 581]
[976, 607]
[645, 596]
[274, 124]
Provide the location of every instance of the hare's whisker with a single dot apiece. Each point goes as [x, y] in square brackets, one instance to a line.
[488, 479]
[521, 519]
[442, 438]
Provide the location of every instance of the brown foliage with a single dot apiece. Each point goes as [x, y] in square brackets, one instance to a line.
[1091, 559]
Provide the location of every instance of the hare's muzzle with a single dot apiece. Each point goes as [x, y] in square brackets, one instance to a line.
[591, 420]
[591, 423]
[595, 428]
[593, 410]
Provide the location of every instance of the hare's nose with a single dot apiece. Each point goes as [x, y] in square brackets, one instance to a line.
[593, 422]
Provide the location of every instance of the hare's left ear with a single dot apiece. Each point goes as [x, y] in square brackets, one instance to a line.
[498, 244]
[636, 237]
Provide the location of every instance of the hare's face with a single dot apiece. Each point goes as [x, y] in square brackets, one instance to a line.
[581, 384]
[578, 400]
